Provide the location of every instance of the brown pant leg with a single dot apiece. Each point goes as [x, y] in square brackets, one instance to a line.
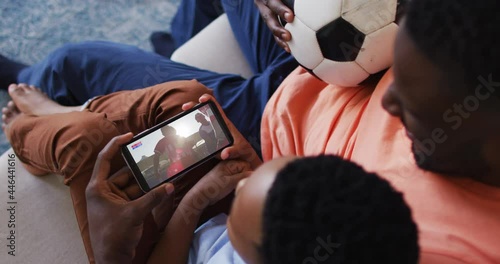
[135, 111]
[65, 144]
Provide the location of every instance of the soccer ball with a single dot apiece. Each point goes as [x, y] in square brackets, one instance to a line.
[343, 42]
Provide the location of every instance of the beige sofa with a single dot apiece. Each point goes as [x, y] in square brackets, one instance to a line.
[45, 225]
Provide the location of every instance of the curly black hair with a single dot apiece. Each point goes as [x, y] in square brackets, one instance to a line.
[460, 37]
[327, 210]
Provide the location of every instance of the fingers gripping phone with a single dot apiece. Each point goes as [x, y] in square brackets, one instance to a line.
[172, 148]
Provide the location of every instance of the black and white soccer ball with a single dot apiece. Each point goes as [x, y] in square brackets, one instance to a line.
[343, 42]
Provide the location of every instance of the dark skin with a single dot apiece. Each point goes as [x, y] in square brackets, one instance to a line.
[420, 96]
[270, 10]
[117, 208]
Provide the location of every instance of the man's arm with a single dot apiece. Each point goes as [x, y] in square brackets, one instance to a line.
[176, 240]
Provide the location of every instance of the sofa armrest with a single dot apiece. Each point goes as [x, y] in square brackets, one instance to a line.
[45, 224]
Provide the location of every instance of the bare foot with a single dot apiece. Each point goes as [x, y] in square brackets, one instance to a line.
[9, 114]
[32, 101]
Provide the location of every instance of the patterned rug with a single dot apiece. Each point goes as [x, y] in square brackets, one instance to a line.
[31, 29]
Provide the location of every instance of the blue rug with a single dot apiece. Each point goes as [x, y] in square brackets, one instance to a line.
[31, 29]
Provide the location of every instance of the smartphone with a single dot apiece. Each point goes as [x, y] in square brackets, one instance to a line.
[172, 148]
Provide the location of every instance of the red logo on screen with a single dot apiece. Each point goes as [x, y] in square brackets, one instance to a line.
[136, 145]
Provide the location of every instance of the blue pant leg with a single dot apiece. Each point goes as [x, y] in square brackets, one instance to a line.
[76, 72]
[192, 16]
[252, 34]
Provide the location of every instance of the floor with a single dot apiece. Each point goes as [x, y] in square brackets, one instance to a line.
[31, 29]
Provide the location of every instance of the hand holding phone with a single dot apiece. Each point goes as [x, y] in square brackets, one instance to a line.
[177, 145]
[241, 148]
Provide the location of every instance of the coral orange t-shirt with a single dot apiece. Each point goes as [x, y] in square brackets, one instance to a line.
[458, 219]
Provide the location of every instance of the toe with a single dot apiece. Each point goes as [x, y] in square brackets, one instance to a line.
[16, 90]
[24, 87]
[5, 111]
[12, 107]
[12, 87]
[36, 89]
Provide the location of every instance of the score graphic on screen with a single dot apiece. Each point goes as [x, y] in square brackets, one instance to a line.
[136, 145]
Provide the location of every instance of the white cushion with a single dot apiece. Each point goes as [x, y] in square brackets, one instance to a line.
[215, 48]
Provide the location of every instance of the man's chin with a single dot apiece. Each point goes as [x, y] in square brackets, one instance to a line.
[423, 161]
[433, 164]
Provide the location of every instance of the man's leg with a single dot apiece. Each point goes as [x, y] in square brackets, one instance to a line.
[256, 40]
[192, 16]
[253, 35]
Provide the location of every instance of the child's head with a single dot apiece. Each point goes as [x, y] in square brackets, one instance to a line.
[320, 210]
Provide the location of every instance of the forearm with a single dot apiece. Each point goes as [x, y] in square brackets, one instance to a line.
[176, 240]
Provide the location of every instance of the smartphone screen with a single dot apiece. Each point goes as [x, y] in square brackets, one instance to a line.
[177, 145]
